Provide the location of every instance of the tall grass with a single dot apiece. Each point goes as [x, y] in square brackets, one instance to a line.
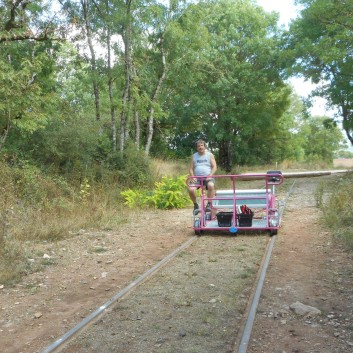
[35, 207]
[336, 200]
[169, 168]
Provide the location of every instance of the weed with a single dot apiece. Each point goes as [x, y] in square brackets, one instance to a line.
[206, 319]
[247, 273]
[99, 249]
[47, 261]
[319, 194]
[183, 254]
[13, 262]
[240, 249]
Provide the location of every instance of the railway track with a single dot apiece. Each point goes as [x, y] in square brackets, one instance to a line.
[215, 306]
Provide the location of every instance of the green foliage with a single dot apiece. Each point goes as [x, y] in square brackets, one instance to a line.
[134, 198]
[321, 44]
[21, 101]
[168, 193]
[344, 154]
[26, 184]
[132, 167]
[322, 139]
[85, 189]
[26, 86]
[231, 92]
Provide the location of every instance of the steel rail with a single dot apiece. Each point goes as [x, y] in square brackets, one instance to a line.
[89, 319]
[244, 341]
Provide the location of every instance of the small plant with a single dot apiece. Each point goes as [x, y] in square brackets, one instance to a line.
[99, 249]
[47, 262]
[13, 262]
[84, 189]
[247, 273]
[319, 194]
[133, 198]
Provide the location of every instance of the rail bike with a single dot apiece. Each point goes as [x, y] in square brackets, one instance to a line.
[238, 207]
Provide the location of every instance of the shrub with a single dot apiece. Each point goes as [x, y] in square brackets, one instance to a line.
[168, 193]
[132, 167]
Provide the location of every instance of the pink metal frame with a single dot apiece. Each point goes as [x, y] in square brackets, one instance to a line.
[270, 181]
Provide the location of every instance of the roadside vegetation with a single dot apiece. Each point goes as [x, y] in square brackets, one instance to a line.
[335, 200]
[36, 207]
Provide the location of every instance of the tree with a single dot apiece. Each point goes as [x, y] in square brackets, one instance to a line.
[81, 14]
[322, 47]
[21, 20]
[232, 91]
[27, 60]
[323, 138]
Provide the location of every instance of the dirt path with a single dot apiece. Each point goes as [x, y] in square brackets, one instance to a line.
[307, 267]
[88, 269]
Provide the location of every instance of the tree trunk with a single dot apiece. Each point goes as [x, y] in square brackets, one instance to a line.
[224, 157]
[110, 89]
[347, 123]
[85, 8]
[155, 98]
[126, 36]
[137, 128]
[4, 133]
[110, 83]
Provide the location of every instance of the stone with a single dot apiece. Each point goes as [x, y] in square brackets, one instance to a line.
[38, 315]
[304, 310]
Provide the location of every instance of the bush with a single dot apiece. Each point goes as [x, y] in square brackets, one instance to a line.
[132, 167]
[168, 193]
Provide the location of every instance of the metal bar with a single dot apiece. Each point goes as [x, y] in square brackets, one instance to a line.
[252, 312]
[255, 301]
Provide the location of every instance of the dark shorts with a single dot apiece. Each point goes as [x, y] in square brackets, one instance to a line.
[197, 185]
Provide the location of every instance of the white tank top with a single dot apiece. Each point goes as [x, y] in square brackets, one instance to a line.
[202, 164]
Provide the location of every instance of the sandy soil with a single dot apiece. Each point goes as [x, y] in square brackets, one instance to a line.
[196, 302]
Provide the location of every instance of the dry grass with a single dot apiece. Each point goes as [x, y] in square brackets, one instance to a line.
[36, 209]
[23, 223]
[343, 162]
[337, 210]
[169, 168]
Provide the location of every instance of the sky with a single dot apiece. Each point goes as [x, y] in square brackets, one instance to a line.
[285, 8]
[287, 12]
